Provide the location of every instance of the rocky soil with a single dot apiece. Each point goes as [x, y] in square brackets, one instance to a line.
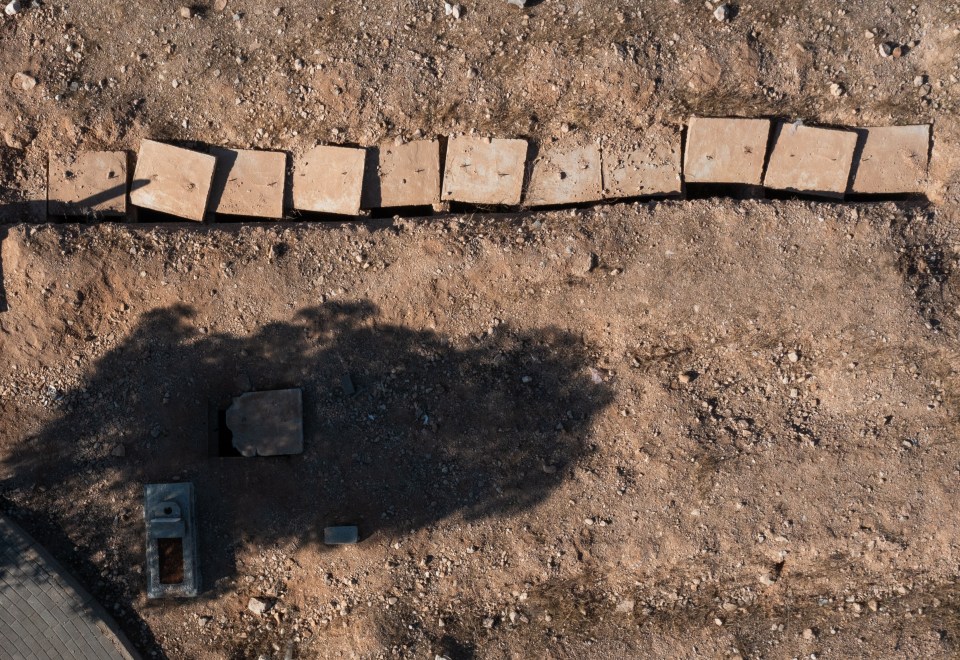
[696, 428]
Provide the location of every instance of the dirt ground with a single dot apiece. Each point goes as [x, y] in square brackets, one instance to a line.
[686, 428]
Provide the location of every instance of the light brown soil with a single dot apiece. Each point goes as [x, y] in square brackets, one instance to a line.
[698, 428]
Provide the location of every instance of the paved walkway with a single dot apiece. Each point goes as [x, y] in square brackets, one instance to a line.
[44, 612]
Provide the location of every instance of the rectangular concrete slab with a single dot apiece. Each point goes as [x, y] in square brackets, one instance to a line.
[811, 160]
[87, 183]
[267, 423]
[649, 168]
[329, 179]
[402, 175]
[565, 174]
[341, 535]
[725, 150]
[892, 160]
[172, 180]
[484, 170]
[248, 182]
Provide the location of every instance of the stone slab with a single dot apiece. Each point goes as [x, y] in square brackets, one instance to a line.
[402, 175]
[87, 183]
[267, 423]
[725, 150]
[811, 160]
[248, 182]
[169, 514]
[893, 160]
[650, 168]
[484, 171]
[329, 179]
[565, 175]
[341, 535]
[172, 180]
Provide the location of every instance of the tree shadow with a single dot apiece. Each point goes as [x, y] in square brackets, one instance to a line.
[431, 431]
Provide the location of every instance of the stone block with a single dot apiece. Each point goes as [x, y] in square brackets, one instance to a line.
[341, 535]
[484, 170]
[267, 423]
[248, 182]
[402, 175]
[329, 179]
[811, 160]
[893, 160]
[92, 183]
[565, 175]
[721, 150]
[172, 559]
[172, 180]
[650, 168]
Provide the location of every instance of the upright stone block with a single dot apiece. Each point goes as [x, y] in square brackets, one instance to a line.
[650, 168]
[565, 175]
[484, 170]
[92, 183]
[329, 179]
[402, 175]
[725, 150]
[893, 160]
[811, 160]
[249, 183]
[172, 180]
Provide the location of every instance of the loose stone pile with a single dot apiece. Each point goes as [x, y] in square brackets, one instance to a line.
[345, 181]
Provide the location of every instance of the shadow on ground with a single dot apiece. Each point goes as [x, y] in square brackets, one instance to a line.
[431, 431]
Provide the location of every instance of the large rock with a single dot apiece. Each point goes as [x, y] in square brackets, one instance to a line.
[811, 160]
[267, 423]
[90, 183]
[172, 180]
[725, 150]
[329, 179]
[402, 175]
[893, 160]
[484, 170]
[248, 182]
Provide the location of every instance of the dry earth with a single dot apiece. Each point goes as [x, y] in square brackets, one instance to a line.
[701, 428]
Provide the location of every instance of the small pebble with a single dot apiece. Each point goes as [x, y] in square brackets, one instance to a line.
[186, 12]
[451, 10]
[12, 8]
[24, 81]
[722, 12]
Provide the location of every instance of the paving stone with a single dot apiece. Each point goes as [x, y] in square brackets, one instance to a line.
[87, 183]
[893, 160]
[565, 174]
[402, 175]
[650, 168]
[39, 626]
[248, 182]
[484, 171]
[811, 160]
[172, 180]
[329, 179]
[725, 150]
[267, 423]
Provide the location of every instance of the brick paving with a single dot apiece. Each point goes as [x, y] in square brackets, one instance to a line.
[44, 612]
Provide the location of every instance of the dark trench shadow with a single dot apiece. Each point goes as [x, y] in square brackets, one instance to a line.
[3, 290]
[430, 431]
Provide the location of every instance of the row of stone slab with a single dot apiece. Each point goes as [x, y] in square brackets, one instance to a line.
[490, 172]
